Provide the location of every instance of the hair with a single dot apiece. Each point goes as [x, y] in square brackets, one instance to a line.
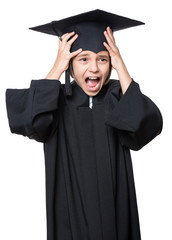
[72, 72]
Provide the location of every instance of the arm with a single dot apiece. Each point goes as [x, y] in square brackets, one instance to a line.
[63, 56]
[135, 116]
[117, 61]
[31, 112]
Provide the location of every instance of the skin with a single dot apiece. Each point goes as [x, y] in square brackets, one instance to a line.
[93, 65]
[90, 64]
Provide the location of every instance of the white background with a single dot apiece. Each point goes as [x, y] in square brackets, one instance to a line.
[27, 55]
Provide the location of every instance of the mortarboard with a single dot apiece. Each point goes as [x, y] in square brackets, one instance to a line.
[90, 27]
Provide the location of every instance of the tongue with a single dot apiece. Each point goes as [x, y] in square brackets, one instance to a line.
[92, 82]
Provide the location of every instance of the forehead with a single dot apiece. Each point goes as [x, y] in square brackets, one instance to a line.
[90, 53]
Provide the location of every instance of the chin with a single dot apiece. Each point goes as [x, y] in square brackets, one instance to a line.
[92, 94]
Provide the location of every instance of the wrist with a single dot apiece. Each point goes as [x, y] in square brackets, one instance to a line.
[55, 73]
[124, 76]
[120, 66]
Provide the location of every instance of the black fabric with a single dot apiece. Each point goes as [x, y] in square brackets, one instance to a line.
[90, 192]
[96, 21]
[68, 88]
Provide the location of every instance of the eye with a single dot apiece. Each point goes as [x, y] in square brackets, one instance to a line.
[83, 59]
[103, 60]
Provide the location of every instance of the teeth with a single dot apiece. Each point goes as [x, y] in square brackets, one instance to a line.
[92, 78]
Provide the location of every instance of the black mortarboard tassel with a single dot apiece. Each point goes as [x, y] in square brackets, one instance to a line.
[68, 87]
[90, 27]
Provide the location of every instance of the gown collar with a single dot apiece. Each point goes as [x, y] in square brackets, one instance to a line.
[81, 99]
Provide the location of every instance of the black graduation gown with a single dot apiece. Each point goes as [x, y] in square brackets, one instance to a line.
[90, 192]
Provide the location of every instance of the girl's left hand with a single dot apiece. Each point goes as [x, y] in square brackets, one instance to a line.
[113, 50]
[116, 60]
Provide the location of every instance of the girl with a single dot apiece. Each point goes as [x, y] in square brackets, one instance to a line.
[87, 135]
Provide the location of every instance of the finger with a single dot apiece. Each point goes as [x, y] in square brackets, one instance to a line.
[73, 39]
[65, 40]
[110, 42]
[67, 36]
[60, 42]
[107, 47]
[108, 38]
[63, 36]
[73, 54]
[110, 33]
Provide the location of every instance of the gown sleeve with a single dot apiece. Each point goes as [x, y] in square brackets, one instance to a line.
[31, 111]
[135, 116]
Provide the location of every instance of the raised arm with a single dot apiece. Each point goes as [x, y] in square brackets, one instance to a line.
[136, 117]
[33, 112]
[117, 61]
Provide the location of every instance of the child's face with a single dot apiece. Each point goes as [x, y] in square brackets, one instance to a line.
[90, 70]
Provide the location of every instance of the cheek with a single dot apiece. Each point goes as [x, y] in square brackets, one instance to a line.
[106, 70]
[106, 74]
[78, 71]
[75, 70]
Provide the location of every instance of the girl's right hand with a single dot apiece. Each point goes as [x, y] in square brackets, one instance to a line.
[63, 56]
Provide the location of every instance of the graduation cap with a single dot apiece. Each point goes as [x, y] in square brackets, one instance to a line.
[90, 27]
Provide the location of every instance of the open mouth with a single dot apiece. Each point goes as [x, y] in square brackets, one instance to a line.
[92, 83]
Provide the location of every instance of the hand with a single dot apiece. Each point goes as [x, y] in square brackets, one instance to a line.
[63, 56]
[116, 60]
[112, 49]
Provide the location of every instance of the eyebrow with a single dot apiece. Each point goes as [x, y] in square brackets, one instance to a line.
[86, 54]
[103, 56]
[82, 55]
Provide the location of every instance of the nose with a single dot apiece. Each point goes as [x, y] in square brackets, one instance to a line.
[93, 66]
